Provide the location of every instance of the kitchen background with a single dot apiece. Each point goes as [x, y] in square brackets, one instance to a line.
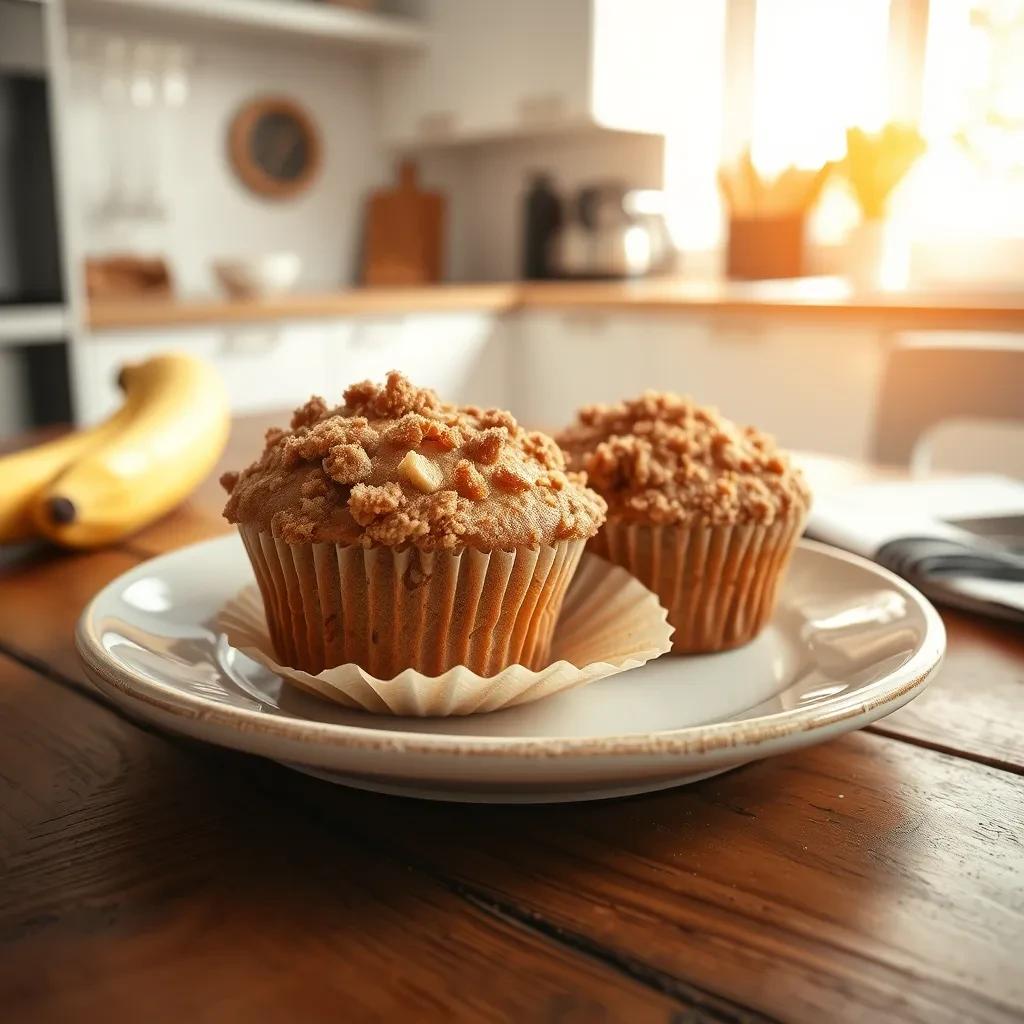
[222, 176]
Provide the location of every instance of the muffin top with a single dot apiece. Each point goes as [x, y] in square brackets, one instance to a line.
[662, 459]
[393, 465]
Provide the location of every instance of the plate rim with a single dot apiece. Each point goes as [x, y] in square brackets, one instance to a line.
[883, 696]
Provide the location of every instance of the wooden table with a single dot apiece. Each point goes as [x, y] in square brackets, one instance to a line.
[148, 878]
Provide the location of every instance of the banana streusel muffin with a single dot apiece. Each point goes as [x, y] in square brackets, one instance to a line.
[703, 512]
[399, 531]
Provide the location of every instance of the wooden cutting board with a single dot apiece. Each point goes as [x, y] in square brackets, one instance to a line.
[404, 236]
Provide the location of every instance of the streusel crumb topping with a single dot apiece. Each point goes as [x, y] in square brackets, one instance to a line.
[395, 465]
[662, 459]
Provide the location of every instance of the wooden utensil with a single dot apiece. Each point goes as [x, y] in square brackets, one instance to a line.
[748, 194]
[404, 233]
[767, 217]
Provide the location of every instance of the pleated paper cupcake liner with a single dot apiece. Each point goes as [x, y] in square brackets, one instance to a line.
[719, 583]
[609, 623]
[389, 610]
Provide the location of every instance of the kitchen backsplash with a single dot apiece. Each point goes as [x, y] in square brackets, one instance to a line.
[177, 154]
[207, 213]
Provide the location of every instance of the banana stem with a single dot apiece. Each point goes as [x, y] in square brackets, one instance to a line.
[62, 510]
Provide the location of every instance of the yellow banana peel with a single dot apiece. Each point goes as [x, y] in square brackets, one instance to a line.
[174, 431]
[24, 474]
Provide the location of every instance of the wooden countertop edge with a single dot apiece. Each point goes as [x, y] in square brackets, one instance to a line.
[116, 315]
[797, 299]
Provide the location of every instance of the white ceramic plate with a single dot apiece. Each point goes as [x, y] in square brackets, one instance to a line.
[849, 644]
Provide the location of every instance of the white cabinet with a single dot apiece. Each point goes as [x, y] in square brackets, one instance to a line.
[492, 68]
[264, 367]
[270, 367]
[812, 388]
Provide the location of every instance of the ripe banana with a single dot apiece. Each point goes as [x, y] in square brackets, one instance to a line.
[23, 474]
[174, 431]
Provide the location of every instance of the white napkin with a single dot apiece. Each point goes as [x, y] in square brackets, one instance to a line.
[939, 533]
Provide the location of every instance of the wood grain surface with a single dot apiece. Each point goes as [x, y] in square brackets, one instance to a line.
[844, 881]
[150, 881]
[145, 877]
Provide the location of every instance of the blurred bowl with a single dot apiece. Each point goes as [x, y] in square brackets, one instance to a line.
[258, 276]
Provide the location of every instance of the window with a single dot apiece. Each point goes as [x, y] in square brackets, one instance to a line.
[782, 77]
[787, 77]
[819, 67]
[972, 117]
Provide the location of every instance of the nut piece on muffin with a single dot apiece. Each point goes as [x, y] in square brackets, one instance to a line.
[702, 511]
[399, 531]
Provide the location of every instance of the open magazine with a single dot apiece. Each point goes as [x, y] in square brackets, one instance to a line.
[958, 539]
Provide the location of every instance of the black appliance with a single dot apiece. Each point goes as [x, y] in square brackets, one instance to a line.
[29, 247]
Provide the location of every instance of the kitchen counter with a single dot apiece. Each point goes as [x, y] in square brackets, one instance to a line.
[129, 313]
[826, 299]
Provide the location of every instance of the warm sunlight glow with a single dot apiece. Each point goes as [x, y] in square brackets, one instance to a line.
[818, 69]
[693, 149]
[972, 178]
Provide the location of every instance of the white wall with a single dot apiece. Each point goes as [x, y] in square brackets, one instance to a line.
[210, 213]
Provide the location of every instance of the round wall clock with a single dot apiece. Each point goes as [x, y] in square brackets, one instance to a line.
[274, 147]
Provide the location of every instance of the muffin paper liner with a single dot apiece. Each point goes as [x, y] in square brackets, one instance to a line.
[480, 627]
[719, 583]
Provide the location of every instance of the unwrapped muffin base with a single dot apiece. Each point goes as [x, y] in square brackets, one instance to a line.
[609, 623]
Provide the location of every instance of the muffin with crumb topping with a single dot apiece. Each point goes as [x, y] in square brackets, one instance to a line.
[703, 512]
[398, 531]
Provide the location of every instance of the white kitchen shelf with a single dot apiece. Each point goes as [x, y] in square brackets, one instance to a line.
[309, 18]
[27, 325]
